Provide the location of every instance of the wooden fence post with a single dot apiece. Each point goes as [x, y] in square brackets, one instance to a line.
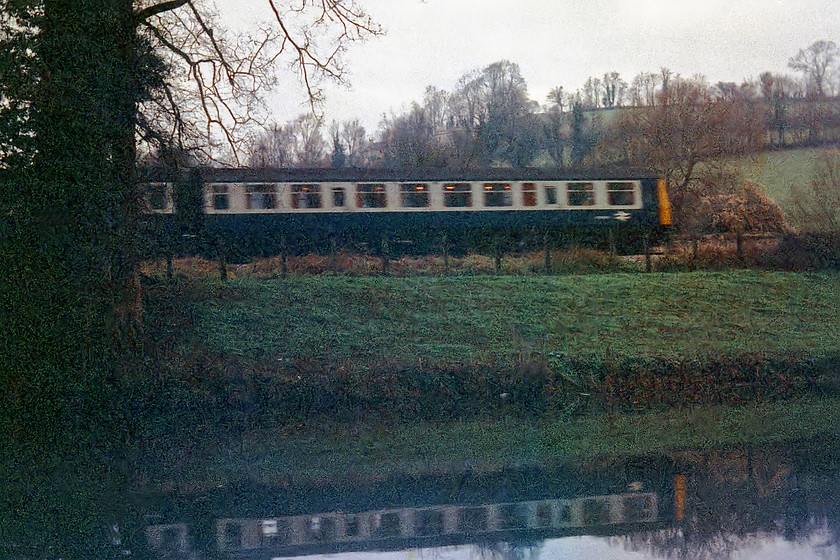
[283, 251]
[223, 271]
[386, 257]
[547, 248]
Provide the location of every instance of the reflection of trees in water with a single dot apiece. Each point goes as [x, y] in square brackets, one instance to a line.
[676, 543]
[521, 550]
[820, 534]
[735, 501]
[513, 550]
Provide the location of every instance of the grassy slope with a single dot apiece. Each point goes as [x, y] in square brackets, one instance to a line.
[778, 170]
[459, 319]
[487, 319]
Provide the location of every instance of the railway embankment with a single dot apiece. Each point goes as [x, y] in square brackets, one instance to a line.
[312, 377]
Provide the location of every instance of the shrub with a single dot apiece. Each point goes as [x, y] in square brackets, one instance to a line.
[810, 251]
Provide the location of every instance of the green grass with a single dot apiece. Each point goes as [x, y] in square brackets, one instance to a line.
[777, 171]
[334, 453]
[371, 322]
[462, 320]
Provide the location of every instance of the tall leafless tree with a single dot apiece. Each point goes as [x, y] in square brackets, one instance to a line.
[643, 89]
[817, 64]
[615, 89]
[354, 138]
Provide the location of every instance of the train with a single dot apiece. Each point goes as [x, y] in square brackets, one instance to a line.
[399, 528]
[514, 506]
[245, 213]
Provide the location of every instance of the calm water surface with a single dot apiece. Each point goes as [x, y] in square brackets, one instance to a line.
[741, 503]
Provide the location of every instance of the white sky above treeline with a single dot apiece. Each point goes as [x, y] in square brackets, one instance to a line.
[554, 42]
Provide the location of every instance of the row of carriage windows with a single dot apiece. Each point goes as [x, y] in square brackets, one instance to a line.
[429, 522]
[417, 195]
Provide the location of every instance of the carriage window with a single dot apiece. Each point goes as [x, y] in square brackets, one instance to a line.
[596, 512]
[473, 519]
[497, 194]
[306, 196]
[221, 200]
[529, 194]
[543, 515]
[339, 197]
[550, 194]
[320, 528]
[388, 525]
[414, 195]
[621, 194]
[371, 196]
[429, 522]
[351, 526]
[260, 197]
[457, 195]
[581, 194]
[157, 197]
[513, 516]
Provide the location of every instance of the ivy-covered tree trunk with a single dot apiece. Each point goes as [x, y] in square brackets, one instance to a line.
[70, 252]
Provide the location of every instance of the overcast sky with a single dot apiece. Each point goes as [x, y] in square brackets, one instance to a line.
[555, 43]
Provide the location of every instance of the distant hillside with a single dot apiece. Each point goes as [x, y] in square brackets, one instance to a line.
[778, 170]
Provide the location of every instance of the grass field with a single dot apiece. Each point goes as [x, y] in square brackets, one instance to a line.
[778, 170]
[372, 323]
[453, 320]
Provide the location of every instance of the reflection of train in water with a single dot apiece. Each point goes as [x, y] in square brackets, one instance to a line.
[261, 212]
[638, 508]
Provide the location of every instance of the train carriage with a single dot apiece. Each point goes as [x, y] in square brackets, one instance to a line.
[248, 213]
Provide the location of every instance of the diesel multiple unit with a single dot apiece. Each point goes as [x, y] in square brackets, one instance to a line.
[261, 212]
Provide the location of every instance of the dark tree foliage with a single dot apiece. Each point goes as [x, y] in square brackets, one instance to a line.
[68, 150]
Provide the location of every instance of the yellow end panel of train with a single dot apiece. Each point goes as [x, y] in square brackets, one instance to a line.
[664, 203]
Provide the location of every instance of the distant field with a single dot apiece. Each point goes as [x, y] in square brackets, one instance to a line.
[778, 170]
[460, 320]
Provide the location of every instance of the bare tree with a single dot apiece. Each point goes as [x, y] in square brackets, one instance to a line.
[162, 76]
[815, 207]
[298, 143]
[778, 91]
[355, 142]
[614, 89]
[592, 93]
[817, 64]
[556, 99]
[436, 106]
[409, 140]
[727, 90]
[272, 149]
[495, 117]
[555, 136]
[308, 142]
[644, 88]
[688, 131]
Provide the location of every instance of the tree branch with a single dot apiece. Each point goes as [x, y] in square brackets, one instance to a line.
[156, 9]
